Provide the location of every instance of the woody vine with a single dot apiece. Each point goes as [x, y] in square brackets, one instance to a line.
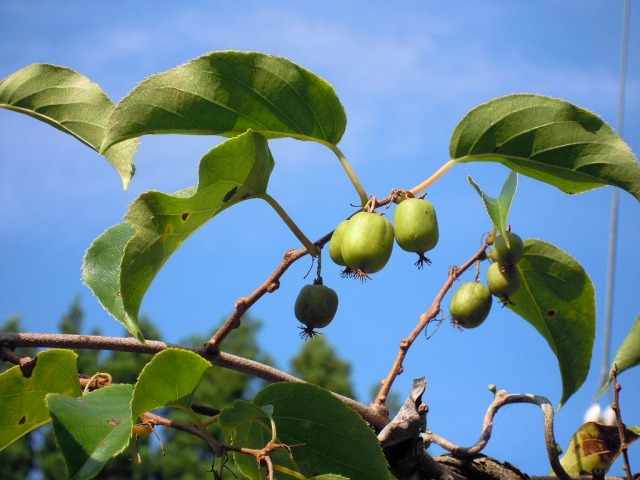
[252, 98]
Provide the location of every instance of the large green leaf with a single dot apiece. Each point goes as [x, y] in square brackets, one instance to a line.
[169, 379]
[247, 425]
[332, 438]
[548, 139]
[70, 102]
[593, 446]
[226, 93]
[91, 429]
[558, 298]
[236, 170]
[498, 208]
[22, 399]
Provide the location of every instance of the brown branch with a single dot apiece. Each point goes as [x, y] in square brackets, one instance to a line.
[11, 340]
[423, 321]
[621, 426]
[502, 398]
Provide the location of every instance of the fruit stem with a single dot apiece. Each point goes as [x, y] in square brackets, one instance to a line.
[433, 178]
[311, 248]
[350, 172]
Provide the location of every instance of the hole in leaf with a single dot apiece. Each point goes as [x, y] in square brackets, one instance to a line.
[185, 216]
[22, 420]
[551, 313]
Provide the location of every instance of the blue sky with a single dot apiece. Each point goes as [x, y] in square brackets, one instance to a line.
[406, 74]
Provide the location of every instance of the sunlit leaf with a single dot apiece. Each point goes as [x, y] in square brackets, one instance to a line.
[22, 399]
[236, 170]
[548, 139]
[226, 93]
[558, 298]
[91, 429]
[593, 446]
[498, 208]
[101, 272]
[169, 379]
[332, 438]
[628, 354]
[69, 102]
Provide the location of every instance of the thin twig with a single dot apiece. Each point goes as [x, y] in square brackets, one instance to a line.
[423, 321]
[502, 398]
[270, 285]
[621, 426]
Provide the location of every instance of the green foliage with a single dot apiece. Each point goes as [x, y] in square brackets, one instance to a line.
[547, 139]
[558, 298]
[325, 435]
[253, 98]
[628, 355]
[226, 93]
[69, 102]
[22, 395]
[169, 379]
[105, 419]
[159, 223]
[498, 208]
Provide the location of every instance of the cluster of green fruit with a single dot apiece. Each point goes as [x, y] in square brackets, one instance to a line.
[363, 244]
[471, 303]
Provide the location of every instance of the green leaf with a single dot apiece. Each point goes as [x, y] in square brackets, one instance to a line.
[69, 102]
[549, 140]
[628, 354]
[558, 298]
[247, 425]
[169, 379]
[226, 93]
[594, 445]
[236, 170]
[101, 272]
[91, 429]
[22, 399]
[332, 437]
[498, 208]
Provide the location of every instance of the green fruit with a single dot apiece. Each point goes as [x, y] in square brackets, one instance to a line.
[508, 256]
[470, 305]
[367, 242]
[335, 245]
[503, 282]
[416, 227]
[315, 307]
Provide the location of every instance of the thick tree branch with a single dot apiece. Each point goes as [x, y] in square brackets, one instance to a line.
[12, 340]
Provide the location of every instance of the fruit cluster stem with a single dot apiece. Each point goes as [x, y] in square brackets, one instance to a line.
[433, 178]
[350, 173]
